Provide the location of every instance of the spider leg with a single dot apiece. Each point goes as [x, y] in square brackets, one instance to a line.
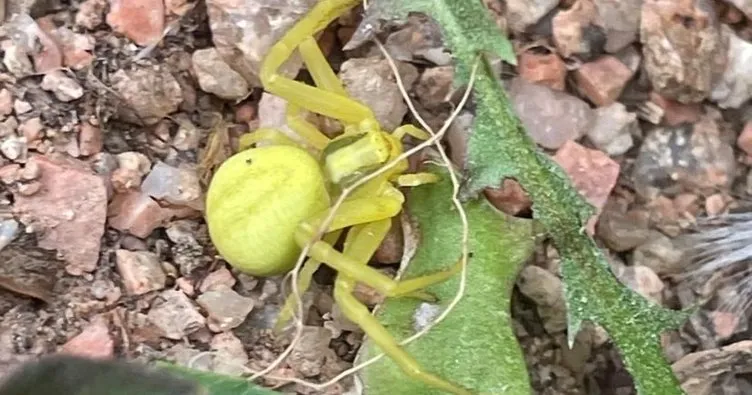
[324, 78]
[328, 102]
[271, 135]
[415, 179]
[304, 281]
[411, 130]
[360, 245]
[360, 211]
[296, 120]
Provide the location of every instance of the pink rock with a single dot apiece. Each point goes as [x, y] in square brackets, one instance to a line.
[263, 23]
[550, 117]
[745, 138]
[93, 342]
[69, 211]
[716, 204]
[124, 180]
[6, 102]
[141, 271]
[545, 69]
[684, 50]
[149, 93]
[574, 30]
[593, 173]
[10, 173]
[91, 13]
[216, 278]
[90, 139]
[31, 129]
[674, 112]
[135, 213]
[509, 198]
[176, 186]
[140, 20]
[603, 80]
[245, 112]
[72, 48]
[186, 286]
[49, 57]
[178, 7]
[724, 323]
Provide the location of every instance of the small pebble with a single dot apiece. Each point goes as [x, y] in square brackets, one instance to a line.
[685, 158]
[245, 112]
[179, 186]
[622, 231]
[21, 107]
[684, 50]
[136, 213]
[14, 148]
[735, 87]
[134, 161]
[659, 254]
[93, 342]
[6, 102]
[185, 285]
[141, 271]
[370, 80]
[613, 129]
[220, 277]
[603, 79]
[545, 68]
[31, 171]
[153, 93]
[91, 13]
[547, 292]
[550, 117]
[578, 32]
[217, 77]
[509, 198]
[90, 139]
[17, 61]
[592, 172]
[140, 20]
[175, 315]
[226, 308]
[524, 13]
[230, 356]
[30, 188]
[65, 88]
[621, 20]
[8, 127]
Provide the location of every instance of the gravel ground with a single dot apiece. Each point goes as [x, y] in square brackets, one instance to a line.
[114, 113]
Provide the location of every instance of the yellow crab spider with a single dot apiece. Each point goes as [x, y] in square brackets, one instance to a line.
[264, 204]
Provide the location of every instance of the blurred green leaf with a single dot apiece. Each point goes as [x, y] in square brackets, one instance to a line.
[475, 345]
[71, 375]
[217, 384]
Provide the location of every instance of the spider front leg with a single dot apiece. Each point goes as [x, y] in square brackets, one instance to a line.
[328, 99]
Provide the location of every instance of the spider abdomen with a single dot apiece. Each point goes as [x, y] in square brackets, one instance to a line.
[256, 201]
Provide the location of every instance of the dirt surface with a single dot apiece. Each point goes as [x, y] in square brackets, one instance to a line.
[114, 113]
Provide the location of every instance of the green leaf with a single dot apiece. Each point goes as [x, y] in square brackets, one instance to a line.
[499, 148]
[475, 345]
[466, 31]
[217, 384]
